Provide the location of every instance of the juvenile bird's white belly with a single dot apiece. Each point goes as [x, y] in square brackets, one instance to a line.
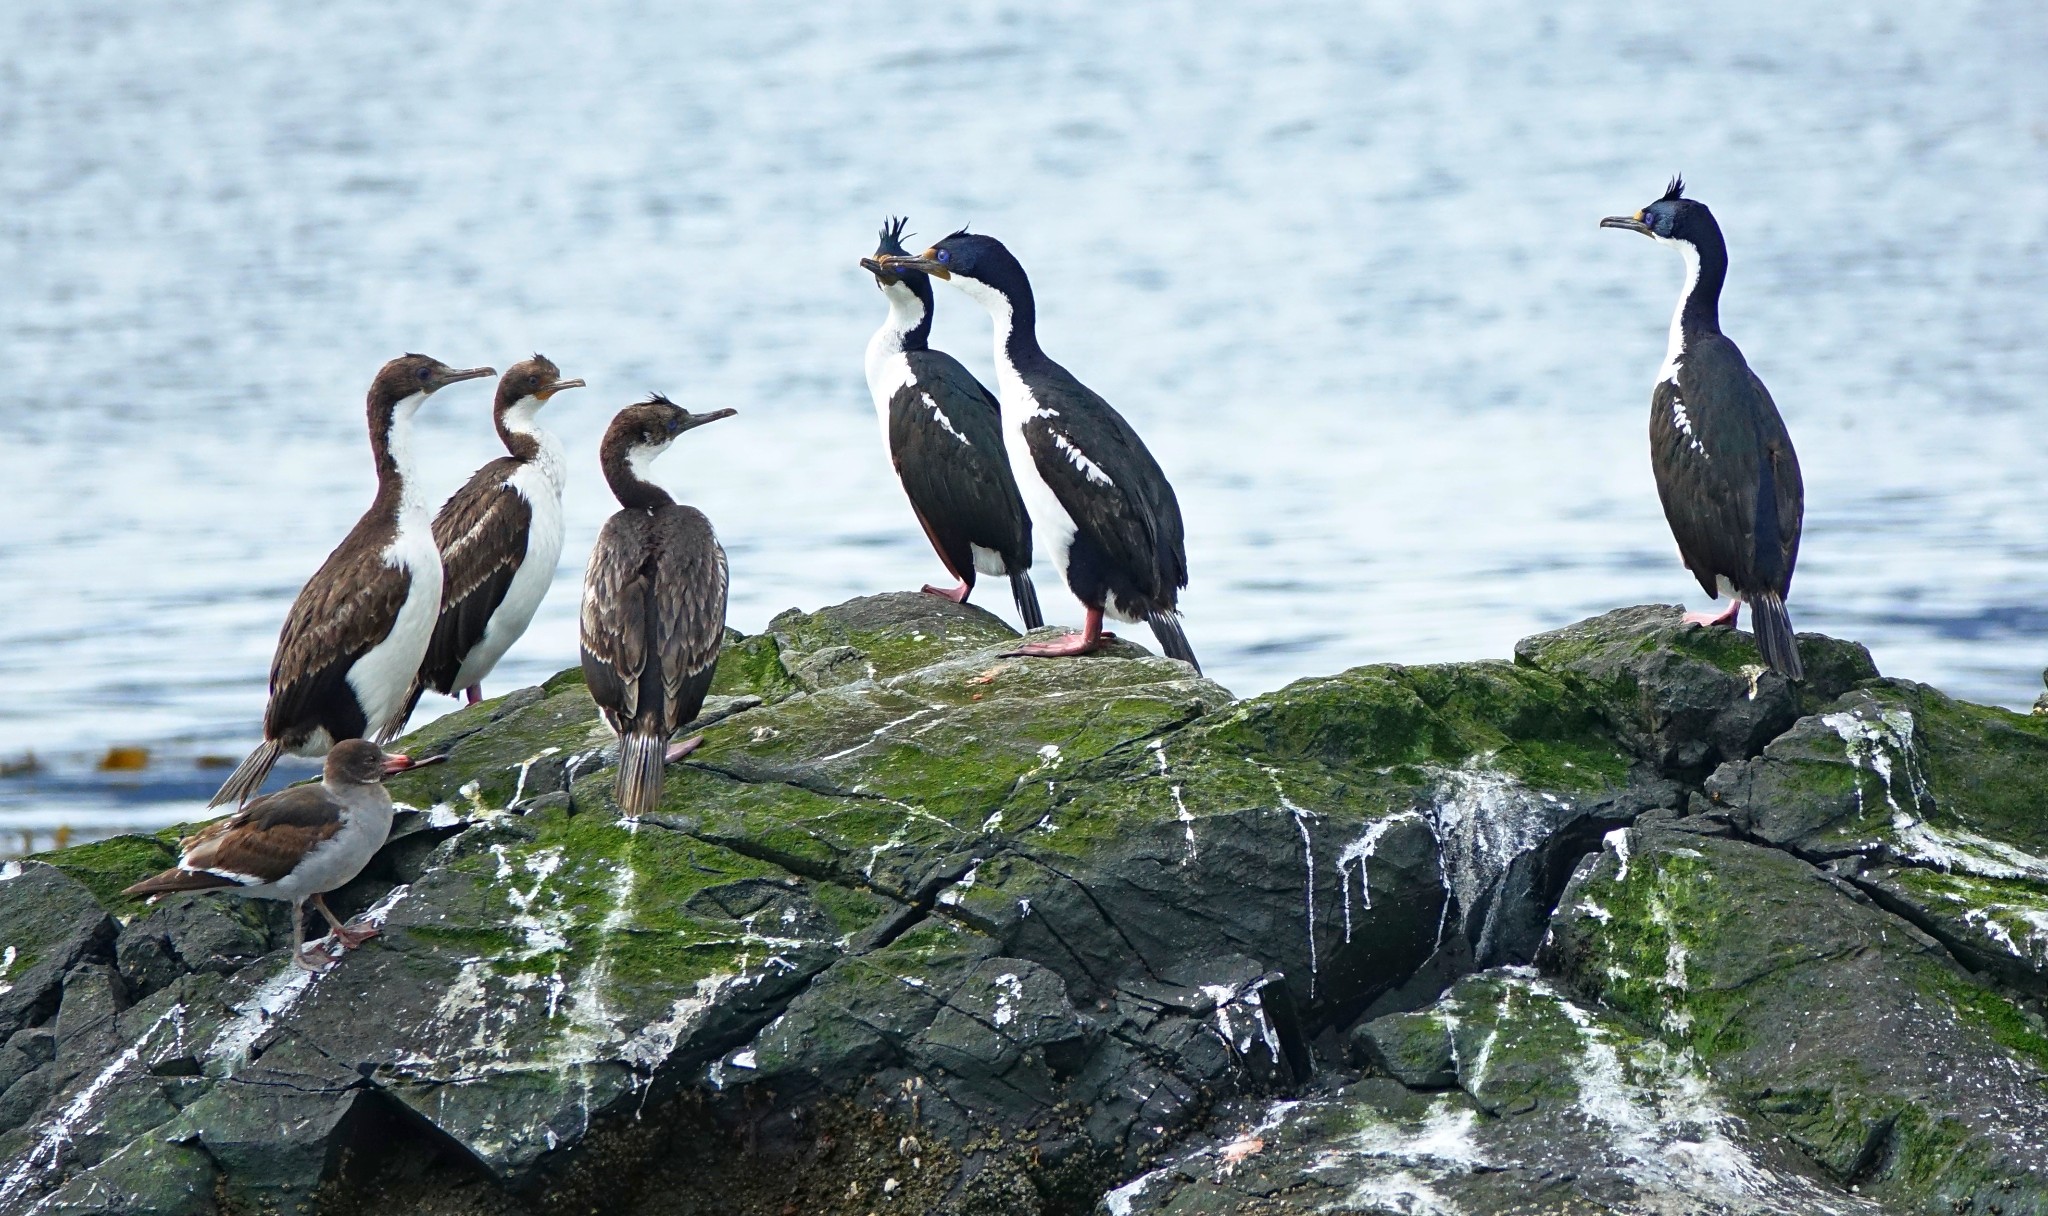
[339, 858]
[383, 676]
[539, 483]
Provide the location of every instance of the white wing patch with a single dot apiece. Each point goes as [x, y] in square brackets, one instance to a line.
[1683, 421]
[1089, 468]
[943, 421]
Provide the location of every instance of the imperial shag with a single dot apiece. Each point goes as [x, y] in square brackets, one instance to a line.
[355, 636]
[653, 604]
[297, 844]
[499, 536]
[1724, 462]
[943, 433]
[1106, 512]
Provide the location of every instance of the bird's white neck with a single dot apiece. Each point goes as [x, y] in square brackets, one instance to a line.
[906, 313]
[1674, 350]
[412, 505]
[522, 419]
[1009, 382]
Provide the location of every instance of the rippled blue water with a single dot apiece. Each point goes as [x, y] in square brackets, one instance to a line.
[1337, 262]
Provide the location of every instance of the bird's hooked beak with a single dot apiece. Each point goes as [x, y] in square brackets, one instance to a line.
[558, 386]
[454, 374]
[395, 764]
[1632, 223]
[875, 268]
[927, 261]
[691, 421]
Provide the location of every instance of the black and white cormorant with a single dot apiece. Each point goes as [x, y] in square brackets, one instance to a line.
[943, 433]
[297, 844]
[1724, 462]
[355, 636]
[653, 604]
[500, 536]
[1098, 499]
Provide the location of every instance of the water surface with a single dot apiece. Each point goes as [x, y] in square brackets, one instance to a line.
[1337, 263]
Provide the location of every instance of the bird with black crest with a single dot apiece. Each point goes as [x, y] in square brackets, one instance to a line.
[1724, 463]
[943, 435]
[654, 599]
[1104, 509]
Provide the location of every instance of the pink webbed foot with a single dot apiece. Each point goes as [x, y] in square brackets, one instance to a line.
[1724, 619]
[312, 958]
[473, 694]
[355, 934]
[677, 751]
[1061, 647]
[956, 594]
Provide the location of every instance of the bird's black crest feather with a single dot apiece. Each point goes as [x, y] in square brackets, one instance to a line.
[892, 234]
[1674, 191]
[656, 399]
[962, 232]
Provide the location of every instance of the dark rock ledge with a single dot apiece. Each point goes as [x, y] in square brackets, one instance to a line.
[1626, 925]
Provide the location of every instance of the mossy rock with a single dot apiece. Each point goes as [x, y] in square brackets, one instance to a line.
[1551, 1106]
[1870, 1049]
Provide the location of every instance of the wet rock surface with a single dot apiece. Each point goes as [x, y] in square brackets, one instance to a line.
[1626, 925]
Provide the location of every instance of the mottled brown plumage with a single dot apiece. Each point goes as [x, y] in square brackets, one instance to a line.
[654, 598]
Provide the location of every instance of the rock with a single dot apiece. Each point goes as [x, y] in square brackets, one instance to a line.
[1557, 1108]
[924, 928]
[1686, 698]
[1857, 1037]
[48, 922]
[1942, 805]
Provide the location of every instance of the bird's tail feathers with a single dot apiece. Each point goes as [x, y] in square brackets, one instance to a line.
[1027, 599]
[175, 879]
[249, 775]
[641, 761]
[1172, 640]
[1774, 634]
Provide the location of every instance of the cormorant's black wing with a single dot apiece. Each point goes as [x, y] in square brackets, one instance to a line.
[946, 439]
[482, 533]
[1726, 471]
[1106, 479]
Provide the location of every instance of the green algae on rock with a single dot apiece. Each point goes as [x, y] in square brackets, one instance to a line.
[1040, 935]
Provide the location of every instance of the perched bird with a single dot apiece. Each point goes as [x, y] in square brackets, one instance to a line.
[943, 432]
[1724, 462]
[297, 844]
[1107, 513]
[354, 638]
[499, 536]
[653, 603]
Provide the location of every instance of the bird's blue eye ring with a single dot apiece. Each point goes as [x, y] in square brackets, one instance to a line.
[426, 372]
[945, 255]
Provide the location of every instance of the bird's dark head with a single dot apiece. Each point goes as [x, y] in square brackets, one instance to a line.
[535, 379]
[979, 265]
[645, 430]
[361, 762]
[1673, 217]
[902, 285]
[417, 376]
